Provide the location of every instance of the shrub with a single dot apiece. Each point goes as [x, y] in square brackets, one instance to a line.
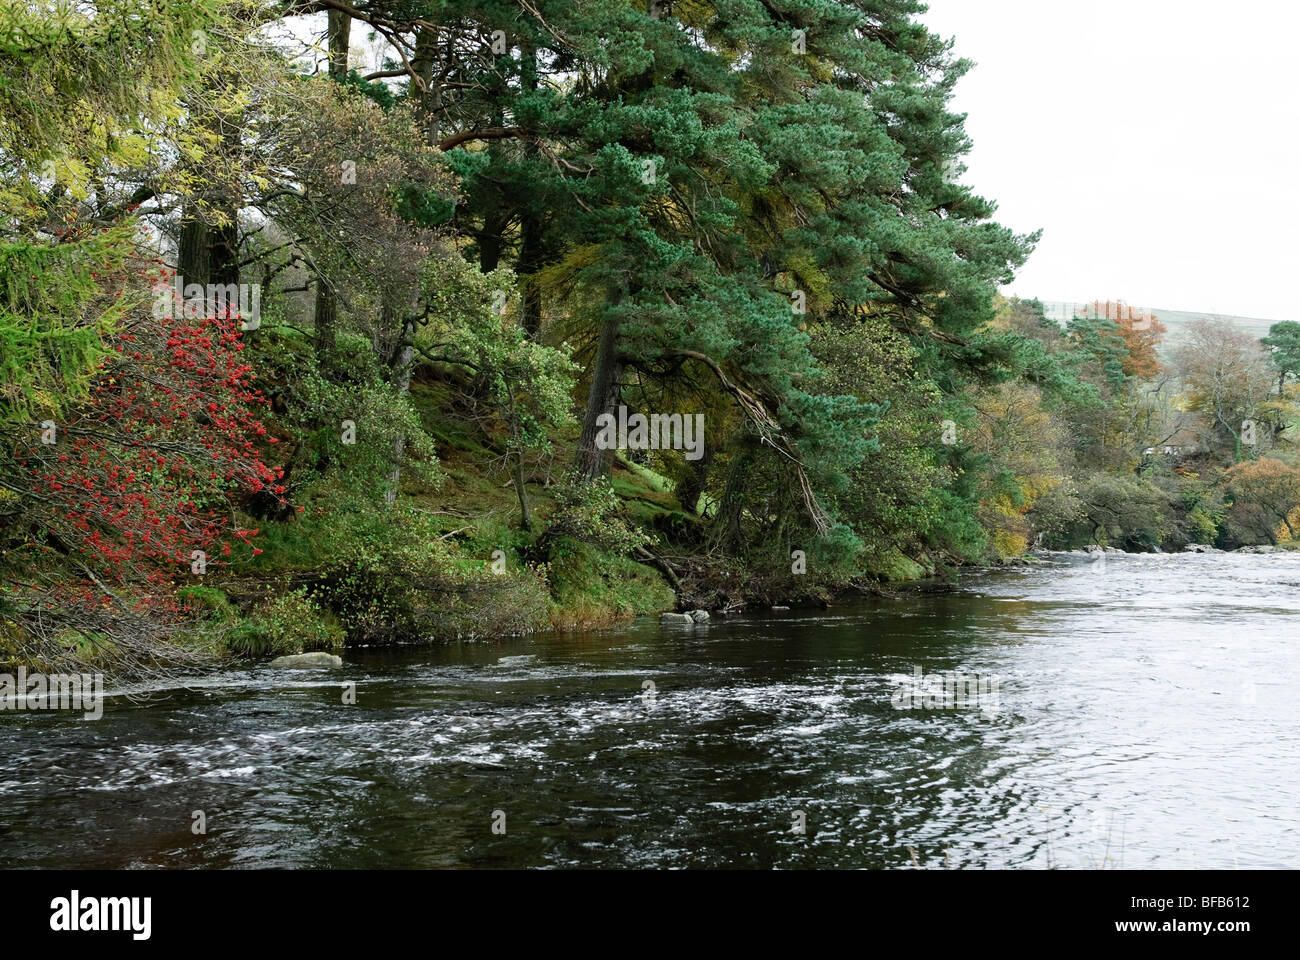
[589, 511]
[206, 603]
[396, 580]
[291, 623]
[1133, 513]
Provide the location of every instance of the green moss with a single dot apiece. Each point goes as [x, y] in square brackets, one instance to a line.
[893, 566]
[642, 477]
[590, 587]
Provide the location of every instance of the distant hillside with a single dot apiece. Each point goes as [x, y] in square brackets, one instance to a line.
[1174, 320]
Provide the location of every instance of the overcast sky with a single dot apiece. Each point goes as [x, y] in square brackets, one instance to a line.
[1155, 142]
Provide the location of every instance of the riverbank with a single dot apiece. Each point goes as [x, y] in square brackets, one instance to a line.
[451, 560]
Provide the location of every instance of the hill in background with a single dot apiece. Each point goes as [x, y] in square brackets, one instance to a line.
[1174, 320]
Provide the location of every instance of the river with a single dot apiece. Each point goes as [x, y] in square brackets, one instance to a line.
[1134, 712]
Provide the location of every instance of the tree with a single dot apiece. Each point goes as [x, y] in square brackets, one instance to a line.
[68, 126]
[1283, 341]
[1227, 375]
[1140, 331]
[362, 200]
[527, 385]
[1024, 447]
[134, 487]
[1263, 497]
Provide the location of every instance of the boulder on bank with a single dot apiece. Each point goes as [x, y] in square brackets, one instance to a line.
[698, 616]
[307, 661]
[1200, 548]
[1260, 548]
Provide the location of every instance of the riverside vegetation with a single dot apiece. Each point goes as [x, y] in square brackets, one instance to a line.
[471, 256]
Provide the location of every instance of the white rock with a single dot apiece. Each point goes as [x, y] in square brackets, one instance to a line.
[304, 661]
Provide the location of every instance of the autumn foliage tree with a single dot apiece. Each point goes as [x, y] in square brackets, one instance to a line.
[1141, 332]
[105, 507]
[1263, 498]
[111, 422]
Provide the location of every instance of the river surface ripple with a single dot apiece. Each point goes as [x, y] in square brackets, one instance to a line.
[1144, 715]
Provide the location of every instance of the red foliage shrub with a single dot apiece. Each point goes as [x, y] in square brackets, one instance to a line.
[141, 481]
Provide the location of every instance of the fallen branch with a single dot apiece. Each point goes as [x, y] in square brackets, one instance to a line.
[662, 564]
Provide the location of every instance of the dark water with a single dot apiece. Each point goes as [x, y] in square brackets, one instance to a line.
[1145, 717]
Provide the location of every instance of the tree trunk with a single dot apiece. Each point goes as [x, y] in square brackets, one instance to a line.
[498, 213]
[429, 99]
[732, 508]
[404, 358]
[530, 227]
[692, 486]
[521, 490]
[602, 397]
[208, 253]
[193, 254]
[339, 32]
[530, 261]
[326, 318]
[489, 243]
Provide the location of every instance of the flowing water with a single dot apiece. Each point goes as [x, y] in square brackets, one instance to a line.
[1134, 712]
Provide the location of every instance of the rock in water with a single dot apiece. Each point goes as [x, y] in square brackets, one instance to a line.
[300, 661]
[699, 616]
[675, 618]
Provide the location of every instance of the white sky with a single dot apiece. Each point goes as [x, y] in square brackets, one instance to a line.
[1156, 142]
